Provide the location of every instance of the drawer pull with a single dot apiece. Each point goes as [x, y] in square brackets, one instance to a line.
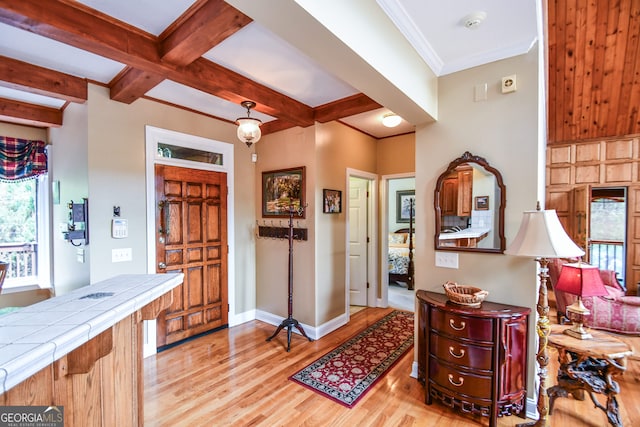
[457, 384]
[461, 327]
[457, 356]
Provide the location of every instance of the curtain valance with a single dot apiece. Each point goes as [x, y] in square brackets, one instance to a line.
[21, 158]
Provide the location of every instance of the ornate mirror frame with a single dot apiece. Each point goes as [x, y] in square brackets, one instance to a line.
[467, 158]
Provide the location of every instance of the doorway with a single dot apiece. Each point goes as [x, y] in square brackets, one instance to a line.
[361, 239]
[165, 147]
[394, 225]
[607, 230]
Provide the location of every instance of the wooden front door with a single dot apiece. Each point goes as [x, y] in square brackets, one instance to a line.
[191, 237]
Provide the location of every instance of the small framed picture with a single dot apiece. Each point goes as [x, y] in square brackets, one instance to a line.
[331, 201]
[482, 203]
[405, 205]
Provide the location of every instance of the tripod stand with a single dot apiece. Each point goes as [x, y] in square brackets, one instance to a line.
[289, 323]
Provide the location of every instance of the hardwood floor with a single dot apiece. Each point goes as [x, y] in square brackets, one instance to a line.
[234, 377]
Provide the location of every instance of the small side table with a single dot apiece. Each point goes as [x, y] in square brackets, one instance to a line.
[589, 365]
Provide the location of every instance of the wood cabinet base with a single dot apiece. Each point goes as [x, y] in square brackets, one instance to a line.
[473, 359]
[99, 383]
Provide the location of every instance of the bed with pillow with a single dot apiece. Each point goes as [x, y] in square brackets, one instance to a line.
[399, 259]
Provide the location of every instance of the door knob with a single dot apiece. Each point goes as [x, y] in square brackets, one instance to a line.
[162, 265]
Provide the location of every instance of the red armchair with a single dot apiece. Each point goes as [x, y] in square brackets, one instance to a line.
[614, 312]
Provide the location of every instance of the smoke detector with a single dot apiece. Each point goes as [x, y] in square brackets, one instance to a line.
[474, 20]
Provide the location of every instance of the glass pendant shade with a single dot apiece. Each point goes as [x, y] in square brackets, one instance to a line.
[248, 127]
[249, 130]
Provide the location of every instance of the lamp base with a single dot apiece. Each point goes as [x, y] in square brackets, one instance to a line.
[578, 331]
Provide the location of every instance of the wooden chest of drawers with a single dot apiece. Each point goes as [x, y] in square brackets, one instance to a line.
[473, 359]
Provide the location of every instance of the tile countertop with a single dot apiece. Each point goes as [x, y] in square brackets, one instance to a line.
[37, 335]
[467, 233]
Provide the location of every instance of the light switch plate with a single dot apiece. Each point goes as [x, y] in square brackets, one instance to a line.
[447, 259]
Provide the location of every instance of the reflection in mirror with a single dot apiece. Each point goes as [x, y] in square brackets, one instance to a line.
[469, 202]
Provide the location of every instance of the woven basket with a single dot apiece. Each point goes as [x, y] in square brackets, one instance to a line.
[464, 295]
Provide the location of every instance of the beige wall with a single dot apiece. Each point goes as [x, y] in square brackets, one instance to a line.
[99, 153]
[338, 147]
[396, 154]
[326, 150]
[503, 130]
[283, 150]
[68, 159]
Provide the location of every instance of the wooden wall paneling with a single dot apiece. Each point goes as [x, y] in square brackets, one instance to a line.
[632, 275]
[559, 154]
[587, 152]
[618, 173]
[618, 149]
[622, 116]
[579, 49]
[560, 201]
[569, 79]
[558, 122]
[595, 101]
[609, 93]
[553, 72]
[580, 217]
[587, 174]
[559, 175]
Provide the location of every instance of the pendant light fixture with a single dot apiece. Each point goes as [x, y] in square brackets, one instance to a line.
[248, 127]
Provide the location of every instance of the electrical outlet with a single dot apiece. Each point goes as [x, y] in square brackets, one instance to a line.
[447, 259]
[121, 255]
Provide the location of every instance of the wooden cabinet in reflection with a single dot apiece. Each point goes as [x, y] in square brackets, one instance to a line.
[457, 189]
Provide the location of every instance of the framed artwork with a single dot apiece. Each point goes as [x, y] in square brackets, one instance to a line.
[482, 203]
[405, 205]
[331, 201]
[282, 190]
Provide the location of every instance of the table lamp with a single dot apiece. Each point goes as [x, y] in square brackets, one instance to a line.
[583, 280]
[542, 237]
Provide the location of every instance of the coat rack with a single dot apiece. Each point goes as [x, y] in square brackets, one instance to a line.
[290, 322]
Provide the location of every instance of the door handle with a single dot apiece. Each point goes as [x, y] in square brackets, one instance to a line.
[162, 265]
[164, 218]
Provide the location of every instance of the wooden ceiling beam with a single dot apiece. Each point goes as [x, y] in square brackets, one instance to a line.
[42, 81]
[73, 24]
[275, 126]
[29, 114]
[192, 35]
[355, 104]
[210, 24]
[132, 84]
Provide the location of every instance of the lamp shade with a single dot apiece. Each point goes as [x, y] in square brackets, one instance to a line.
[541, 236]
[249, 130]
[581, 279]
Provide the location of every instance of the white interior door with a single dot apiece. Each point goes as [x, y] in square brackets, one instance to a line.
[358, 240]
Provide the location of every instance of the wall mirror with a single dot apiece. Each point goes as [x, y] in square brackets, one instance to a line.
[470, 198]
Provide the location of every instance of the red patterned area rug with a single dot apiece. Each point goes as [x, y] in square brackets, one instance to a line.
[349, 371]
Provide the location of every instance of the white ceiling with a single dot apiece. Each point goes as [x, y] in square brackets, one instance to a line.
[434, 28]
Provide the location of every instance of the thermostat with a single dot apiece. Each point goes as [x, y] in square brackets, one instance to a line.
[509, 83]
[119, 228]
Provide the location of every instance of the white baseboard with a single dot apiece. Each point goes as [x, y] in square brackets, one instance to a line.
[414, 370]
[241, 318]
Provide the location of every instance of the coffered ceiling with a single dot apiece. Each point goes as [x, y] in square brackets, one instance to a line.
[300, 61]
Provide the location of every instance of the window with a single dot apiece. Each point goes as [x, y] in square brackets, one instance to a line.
[23, 232]
[608, 222]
